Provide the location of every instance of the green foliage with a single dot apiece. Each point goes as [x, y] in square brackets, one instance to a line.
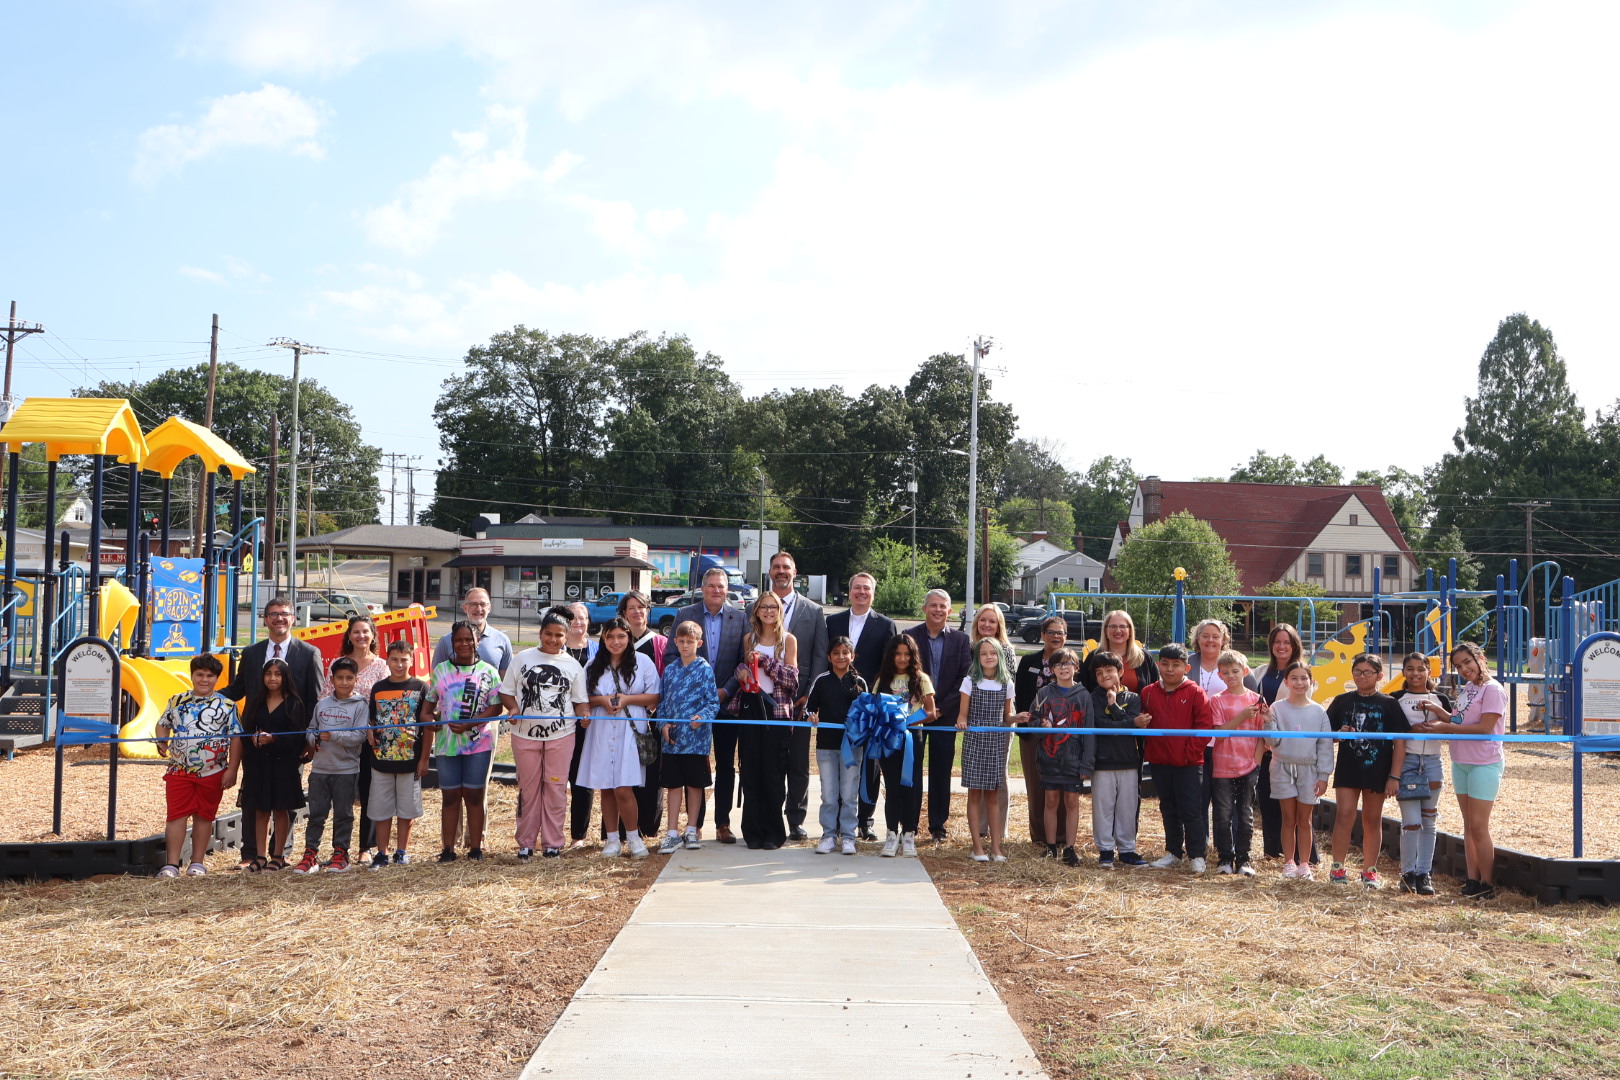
[1407, 495]
[1147, 562]
[890, 562]
[1297, 614]
[1264, 468]
[32, 473]
[1101, 500]
[345, 467]
[1023, 515]
[1004, 548]
[1434, 550]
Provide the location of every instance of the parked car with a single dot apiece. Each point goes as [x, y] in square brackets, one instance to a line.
[687, 599]
[606, 607]
[1080, 627]
[1025, 611]
[329, 606]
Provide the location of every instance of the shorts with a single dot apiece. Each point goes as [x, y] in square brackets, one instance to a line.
[1481, 782]
[1419, 772]
[394, 795]
[684, 771]
[1294, 782]
[1073, 789]
[464, 770]
[193, 796]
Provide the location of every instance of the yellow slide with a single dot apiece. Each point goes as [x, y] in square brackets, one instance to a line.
[151, 683]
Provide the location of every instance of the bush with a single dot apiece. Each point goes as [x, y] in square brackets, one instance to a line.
[890, 562]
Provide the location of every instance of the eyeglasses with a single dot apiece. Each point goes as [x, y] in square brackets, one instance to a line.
[1056, 631]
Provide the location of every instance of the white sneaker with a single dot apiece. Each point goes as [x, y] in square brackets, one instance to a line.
[1225, 868]
[848, 846]
[611, 848]
[891, 845]
[828, 843]
[638, 850]
[1165, 861]
[908, 844]
[1246, 869]
[979, 856]
[1198, 866]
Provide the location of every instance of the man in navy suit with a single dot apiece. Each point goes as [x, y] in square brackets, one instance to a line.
[304, 663]
[804, 619]
[870, 632]
[723, 629]
[946, 655]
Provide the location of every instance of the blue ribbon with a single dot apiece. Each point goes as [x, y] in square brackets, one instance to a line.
[877, 726]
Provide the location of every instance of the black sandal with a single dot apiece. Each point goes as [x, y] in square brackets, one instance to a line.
[277, 863]
[256, 864]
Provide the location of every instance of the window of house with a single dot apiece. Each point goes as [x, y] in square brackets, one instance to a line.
[78, 513]
[1355, 519]
[1352, 566]
[587, 583]
[1313, 565]
[1392, 567]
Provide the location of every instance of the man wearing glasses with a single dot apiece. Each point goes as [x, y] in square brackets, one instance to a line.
[494, 647]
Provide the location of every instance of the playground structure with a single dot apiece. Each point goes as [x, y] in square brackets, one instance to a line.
[151, 614]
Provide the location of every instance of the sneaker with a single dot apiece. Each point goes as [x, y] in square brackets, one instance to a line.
[891, 845]
[1225, 868]
[1246, 868]
[867, 834]
[1423, 884]
[1290, 869]
[828, 843]
[196, 869]
[379, 860]
[671, 844]
[1371, 880]
[692, 841]
[1337, 876]
[908, 844]
[1305, 872]
[527, 853]
[847, 847]
[1070, 858]
[447, 855]
[1198, 866]
[1105, 860]
[309, 864]
[1408, 881]
[998, 858]
[1166, 861]
[1051, 852]
[169, 871]
[612, 848]
[402, 857]
[637, 849]
[979, 856]
[1130, 858]
[476, 854]
[551, 853]
[339, 862]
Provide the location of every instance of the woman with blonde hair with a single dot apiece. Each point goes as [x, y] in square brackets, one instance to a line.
[1119, 638]
[768, 684]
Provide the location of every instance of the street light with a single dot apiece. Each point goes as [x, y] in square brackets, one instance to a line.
[980, 347]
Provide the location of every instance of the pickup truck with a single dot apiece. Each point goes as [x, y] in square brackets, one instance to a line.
[606, 607]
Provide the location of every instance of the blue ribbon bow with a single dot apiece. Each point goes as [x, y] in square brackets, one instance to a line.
[877, 724]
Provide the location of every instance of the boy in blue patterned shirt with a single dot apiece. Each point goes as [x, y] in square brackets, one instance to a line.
[199, 732]
[687, 704]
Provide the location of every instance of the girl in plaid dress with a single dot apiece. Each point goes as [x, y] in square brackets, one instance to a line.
[986, 702]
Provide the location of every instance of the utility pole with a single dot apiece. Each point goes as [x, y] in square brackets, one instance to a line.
[15, 332]
[912, 487]
[393, 482]
[984, 555]
[206, 513]
[298, 349]
[764, 581]
[1530, 509]
[410, 494]
[980, 347]
[270, 503]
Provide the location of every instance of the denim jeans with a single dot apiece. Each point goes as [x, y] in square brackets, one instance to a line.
[840, 793]
[1234, 799]
[1419, 805]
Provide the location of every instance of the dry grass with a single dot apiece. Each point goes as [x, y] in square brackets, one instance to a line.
[427, 970]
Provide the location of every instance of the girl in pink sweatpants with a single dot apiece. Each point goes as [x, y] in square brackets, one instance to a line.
[544, 689]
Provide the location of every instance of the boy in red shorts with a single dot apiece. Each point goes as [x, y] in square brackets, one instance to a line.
[200, 733]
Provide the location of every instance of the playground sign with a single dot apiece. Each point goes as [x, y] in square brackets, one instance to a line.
[90, 680]
[177, 607]
[1600, 684]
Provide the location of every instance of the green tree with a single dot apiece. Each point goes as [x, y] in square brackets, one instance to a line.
[1034, 478]
[1434, 550]
[890, 562]
[1147, 563]
[1523, 438]
[1297, 613]
[32, 473]
[1102, 499]
[1407, 495]
[1023, 515]
[343, 465]
[1264, 468]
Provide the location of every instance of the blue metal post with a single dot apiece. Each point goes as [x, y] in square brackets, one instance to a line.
[1518, 630]
[1566, 653]
[1373, 636]
[1501, 613]
[1178, 617]
[11, 564]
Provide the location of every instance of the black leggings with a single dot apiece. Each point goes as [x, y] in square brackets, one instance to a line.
[902, 803]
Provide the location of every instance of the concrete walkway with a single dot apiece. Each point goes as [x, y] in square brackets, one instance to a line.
[786, 963]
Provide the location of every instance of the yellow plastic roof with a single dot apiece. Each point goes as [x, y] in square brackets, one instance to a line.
[77, 426]
[174, 440]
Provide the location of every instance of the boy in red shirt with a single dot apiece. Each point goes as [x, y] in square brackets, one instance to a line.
[1177, 761]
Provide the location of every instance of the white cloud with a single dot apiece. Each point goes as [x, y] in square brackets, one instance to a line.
[271, 117]
[203, 275]
[237, 271]
[561, 165]
[477, 170]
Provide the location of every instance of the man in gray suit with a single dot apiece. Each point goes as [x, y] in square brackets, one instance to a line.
[806, 621]
[723, 629]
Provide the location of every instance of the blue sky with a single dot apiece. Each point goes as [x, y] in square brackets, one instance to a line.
[1194, 229]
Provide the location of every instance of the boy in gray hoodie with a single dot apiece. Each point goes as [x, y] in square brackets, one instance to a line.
[336, 733]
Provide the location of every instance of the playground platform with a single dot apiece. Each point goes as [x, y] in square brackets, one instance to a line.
[787, 964]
